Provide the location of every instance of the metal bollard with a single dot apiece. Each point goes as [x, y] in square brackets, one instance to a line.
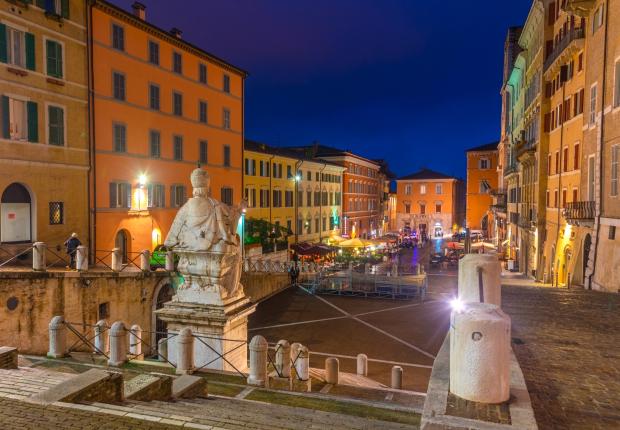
[185, 352]
[258, 362]
[145, 261]
[81, 259]
[58, 338]
[135, 341]
[169, 261]
[118, 344]
[397, 378]
[362, 364]
[38, 256]
[332, 370]
[101, 338]
[117, 260]
[283, 359]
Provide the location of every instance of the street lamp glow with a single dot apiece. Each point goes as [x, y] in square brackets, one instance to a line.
[142, 180]
[457, 305]
[298, 178]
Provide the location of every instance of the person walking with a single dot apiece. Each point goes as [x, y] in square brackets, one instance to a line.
[71, 246]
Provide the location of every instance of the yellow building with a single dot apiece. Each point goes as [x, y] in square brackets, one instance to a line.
[44, 151]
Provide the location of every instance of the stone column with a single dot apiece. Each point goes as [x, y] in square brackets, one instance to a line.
[397, 378]
[58, 338]
[117, 260]
[332, 370]
[38, 256]
[135, 342]
[145, 261]
[82, 258]
[258, 362]
[170, 261]
[162, 349]
[118, 344]
[283, 359]
[101, 338]
[362, 364]
[185, 352]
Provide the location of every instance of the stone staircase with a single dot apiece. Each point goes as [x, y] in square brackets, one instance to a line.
[25, 382]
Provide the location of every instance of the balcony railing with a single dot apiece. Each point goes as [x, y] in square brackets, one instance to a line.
[569, 37]
[498, 192]
[574, 212]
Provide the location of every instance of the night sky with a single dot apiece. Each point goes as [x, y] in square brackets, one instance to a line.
[415, 82]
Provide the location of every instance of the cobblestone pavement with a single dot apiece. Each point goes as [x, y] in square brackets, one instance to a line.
[570, 355]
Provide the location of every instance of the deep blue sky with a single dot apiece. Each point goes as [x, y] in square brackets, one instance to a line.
[415, 82]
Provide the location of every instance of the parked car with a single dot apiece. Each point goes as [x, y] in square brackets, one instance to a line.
[158, 258]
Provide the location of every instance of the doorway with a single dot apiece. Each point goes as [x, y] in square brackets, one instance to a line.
[122, 242]
[15, 215]
[161, 328]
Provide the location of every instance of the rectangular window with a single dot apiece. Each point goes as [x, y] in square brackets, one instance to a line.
[204, 152]
[119, 135]
[177, 196]
[250, 197]
[202, 112]
[289, 172]
[57, 213]
[438, 208]
[226, 119]
[422, 209]
[226, 84]
[612, 232]
[16, 112]
[565, 160]
[484, 187]
[549, 164]
[177, 62]
[484, 163]
[592, 104]
[564, 198]
[56, 125]
[154, 96]
[591, 179]
[226, 195]
[316, 225]
[408, 189]
[277, 198]
[423, 189]
[309, 198]
[597, 19]
[226, 156]
[178, 147]
[16, 47]
[438, 189]
[617, 84]
[202, 73]
[120, 195]
[118, 84]
[154, 144]
[177, 103]
[407, 208]
[557, 162]
[575, 194]
[576, 156]
[118, 37]
[547, 198]
[615, 158]
[288, 199]
[156, 196]
[153, 52]
[250, 167]
[555, 199]
[264, 198]
[53, 54]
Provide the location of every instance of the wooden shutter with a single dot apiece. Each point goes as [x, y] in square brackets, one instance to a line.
[112, 194]
[65, 8]
[128, 192]
[33, 122]
[30, 57]
[3, 47]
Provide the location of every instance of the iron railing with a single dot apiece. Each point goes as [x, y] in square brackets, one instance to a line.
[570, 36]
[579, 211]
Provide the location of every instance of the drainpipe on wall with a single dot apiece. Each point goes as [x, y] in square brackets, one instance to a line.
[92, 169]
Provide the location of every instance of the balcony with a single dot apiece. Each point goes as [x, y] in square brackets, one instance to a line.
[498, 192]
[570, 44]
[577, 213]
[498, 208]
[580, 7]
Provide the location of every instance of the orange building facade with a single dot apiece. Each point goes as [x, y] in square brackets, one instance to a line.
[482, 178]
[160, 106]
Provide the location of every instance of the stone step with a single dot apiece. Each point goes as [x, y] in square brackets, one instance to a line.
[8, 357]
[92, 385]
[188, 387]
[147, 387]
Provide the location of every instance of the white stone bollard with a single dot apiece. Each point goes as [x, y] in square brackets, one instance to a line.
[162, 349]
[81, 260]
[101, 337]
[145, 261]
[169, 261]
[362, 364]
[283, 359]
[58, 338]
[117, 260]
[302, 365]
[258, 362]
[332, 370]
[118, 344]
[418, 269]
[480, 353]
[135, 341]
[476, 269]
[185, 352]
[397, 378]
[38, 256]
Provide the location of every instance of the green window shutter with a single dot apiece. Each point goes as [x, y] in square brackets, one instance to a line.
[3, 47]
[33, 122]
[54, 58]
[112, 194]
[56, 126]
[65, 9]
[6, 131]
[30, 62]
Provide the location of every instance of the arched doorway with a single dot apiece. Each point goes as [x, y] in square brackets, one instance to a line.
[484, 225]
[164, 295]
[15, 215]
[587, 243]
[122, 242]
[566, 259]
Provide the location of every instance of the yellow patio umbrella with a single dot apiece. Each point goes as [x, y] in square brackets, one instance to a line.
[336, 239]
[355, 243]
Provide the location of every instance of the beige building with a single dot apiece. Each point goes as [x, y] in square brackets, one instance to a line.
[44, 155]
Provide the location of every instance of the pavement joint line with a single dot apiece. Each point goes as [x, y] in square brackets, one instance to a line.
[244, 393]
[410, 345]
[297, 323]
[395, 308]
[326, 389]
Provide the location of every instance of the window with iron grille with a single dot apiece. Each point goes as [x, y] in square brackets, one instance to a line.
[57, 213]
[104, 310]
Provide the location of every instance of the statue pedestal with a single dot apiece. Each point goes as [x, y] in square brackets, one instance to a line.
[219, 330]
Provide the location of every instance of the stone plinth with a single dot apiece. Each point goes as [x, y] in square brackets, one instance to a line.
[476, 270]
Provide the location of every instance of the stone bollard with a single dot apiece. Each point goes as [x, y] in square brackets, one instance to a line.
[185, 352]
[101, 337]
[58, 338]
[162, 349]
[480, 353]
[362, 364]
[332, 370]
[302, 365]
[117, 260]
[145, 261]
[135, 342]
[81, 261]
[480, 279]
[258, 362]
[283, 359]
[397, 378]
[38, 256]
[418, 269]
[118, 344]
[169, 266]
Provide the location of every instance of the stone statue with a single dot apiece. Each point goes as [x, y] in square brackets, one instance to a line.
[204, 235]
